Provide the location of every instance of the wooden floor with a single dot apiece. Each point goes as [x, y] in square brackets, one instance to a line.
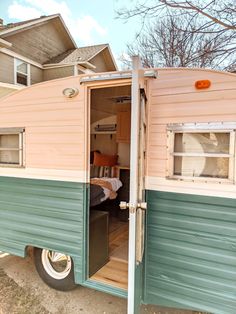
[118, 238]
[115, 272]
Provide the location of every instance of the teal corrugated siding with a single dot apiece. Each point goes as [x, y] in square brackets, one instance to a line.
[45, 214]
[191, 252]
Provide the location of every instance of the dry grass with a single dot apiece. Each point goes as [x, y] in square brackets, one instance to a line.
[16, 300]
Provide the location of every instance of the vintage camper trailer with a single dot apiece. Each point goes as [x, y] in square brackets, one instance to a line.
[125, 182]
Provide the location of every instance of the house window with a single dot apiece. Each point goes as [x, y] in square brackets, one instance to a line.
[207, 153]
[11, 147]
[22, 71]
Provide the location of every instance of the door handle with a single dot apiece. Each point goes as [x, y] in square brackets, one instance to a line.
[132, 207]
[142, 205]
[124, 205]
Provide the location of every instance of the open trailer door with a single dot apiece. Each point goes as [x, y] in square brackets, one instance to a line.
[136, 203]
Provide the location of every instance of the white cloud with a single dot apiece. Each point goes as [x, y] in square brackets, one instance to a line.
[51, 7]
[21, 12]
[85, 29]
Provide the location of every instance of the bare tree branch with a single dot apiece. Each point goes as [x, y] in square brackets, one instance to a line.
[189, 5]
[175, 42]
[221, 13]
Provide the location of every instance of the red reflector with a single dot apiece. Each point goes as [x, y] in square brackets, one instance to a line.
[202, 84]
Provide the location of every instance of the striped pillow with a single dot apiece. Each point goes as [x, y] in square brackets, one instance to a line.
[101, 171]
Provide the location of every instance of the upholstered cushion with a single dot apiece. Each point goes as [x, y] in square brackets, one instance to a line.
[104, 160]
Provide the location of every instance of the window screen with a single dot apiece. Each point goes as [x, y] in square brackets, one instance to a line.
[202, 154]
[11, 148]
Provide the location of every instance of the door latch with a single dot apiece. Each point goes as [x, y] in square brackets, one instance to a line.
[142, 205]
[132, 207]
[124, 205]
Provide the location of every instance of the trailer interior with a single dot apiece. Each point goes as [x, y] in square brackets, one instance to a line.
[110, 119]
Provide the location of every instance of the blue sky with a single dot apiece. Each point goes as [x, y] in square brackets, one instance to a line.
[89, 21]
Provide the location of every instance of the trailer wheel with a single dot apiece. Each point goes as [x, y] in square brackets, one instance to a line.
[55, 269]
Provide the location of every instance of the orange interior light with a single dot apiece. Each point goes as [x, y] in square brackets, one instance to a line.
[202, 84]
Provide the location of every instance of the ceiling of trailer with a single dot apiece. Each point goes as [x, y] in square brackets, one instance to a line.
[106, 101]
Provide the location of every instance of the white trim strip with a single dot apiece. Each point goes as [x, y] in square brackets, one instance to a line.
[220, 127]
[11, 86]
[62, 65]
[97, 52]
[55, 66]
[84, 70]
[45, 174]
[67, 30]
[75, 70]
[18, 56]
[28, 75]
[26, 25]
[227, 190]
[4, 43]
[112, 57]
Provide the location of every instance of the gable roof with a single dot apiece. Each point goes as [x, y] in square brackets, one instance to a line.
[73, 55]
[11, 28]
[11, 25]
[82, 54]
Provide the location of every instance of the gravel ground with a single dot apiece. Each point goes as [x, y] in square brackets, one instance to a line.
[23, 292]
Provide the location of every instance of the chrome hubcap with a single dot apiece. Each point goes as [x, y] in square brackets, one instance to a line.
[56, 264]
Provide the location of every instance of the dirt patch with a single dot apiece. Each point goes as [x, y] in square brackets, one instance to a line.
[16, 300]
[23, 292]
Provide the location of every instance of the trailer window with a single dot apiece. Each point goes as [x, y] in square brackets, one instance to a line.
[207, 154]
[11, 148]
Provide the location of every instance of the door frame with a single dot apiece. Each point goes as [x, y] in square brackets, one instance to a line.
[133, 270]
[87, 282]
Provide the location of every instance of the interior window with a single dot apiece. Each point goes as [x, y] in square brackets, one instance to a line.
[11, 148]
[22, 75]
[202, 154]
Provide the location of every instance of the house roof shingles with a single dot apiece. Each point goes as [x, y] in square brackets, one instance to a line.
[82, 54]
[12, 25]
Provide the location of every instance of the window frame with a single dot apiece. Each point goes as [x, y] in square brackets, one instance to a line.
[21, 149]
[216, 127]
[28, 76]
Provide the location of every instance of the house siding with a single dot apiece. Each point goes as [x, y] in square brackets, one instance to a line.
[6, 69]
[99, 62]
[36, 74]
[51, 74]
